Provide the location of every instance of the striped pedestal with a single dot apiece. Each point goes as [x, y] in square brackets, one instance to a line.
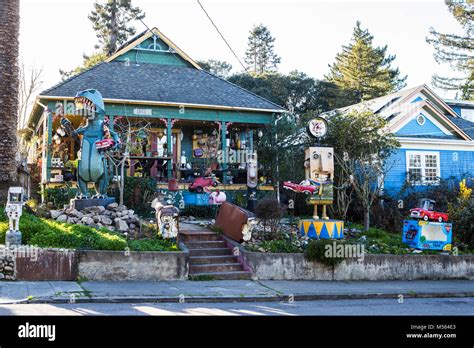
[324, 229]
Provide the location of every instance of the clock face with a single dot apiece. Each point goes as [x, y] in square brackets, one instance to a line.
[317, 127]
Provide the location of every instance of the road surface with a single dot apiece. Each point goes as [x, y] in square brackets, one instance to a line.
[410, 306]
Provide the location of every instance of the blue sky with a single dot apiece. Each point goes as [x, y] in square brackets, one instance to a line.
[54, 34]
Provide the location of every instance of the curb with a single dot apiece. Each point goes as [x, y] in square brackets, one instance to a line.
[228, 299]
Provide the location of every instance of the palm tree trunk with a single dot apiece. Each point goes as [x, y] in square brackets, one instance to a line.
[9, 84]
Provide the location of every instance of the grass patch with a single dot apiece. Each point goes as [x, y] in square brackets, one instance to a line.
[152, 245]
[47, 233]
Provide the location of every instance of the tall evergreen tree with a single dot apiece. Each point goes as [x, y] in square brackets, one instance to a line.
[456, 50]
[260, 56]
[111, 23]
[217, 67]
[9, 87]
[362, 71]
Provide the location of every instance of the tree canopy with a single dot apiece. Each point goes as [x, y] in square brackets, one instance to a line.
[456, 50]
[260, 56]
[362, 71]
[217, 67]
[111, 23]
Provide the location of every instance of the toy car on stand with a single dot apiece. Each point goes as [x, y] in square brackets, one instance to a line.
[202, 182]
[425, 210]
[308, 187]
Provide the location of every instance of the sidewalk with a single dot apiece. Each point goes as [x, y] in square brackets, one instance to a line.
[225, 291]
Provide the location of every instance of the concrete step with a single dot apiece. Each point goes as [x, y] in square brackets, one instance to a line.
[199, 236]
[225, 275]
[202, 260]
[205, 244]
[215, 268]
[209, 251]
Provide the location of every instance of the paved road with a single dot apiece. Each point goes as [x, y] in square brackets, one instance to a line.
[411, 306]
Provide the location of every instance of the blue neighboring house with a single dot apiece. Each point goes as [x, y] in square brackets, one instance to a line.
[436, 136]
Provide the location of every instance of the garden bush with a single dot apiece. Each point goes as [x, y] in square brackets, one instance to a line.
[317, 248]
[270, 212]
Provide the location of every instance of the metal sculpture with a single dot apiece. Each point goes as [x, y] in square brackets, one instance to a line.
[92, 166]
[14, 210]
[167, 219]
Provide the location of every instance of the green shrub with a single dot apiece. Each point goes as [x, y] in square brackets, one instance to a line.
[279, 246]
[59, 196]
[152, 245]
[270, 212]
[317, 248]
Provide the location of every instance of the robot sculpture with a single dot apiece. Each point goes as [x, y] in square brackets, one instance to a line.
[14, 209]
[319, 173]
[167, 219]
[92, 166]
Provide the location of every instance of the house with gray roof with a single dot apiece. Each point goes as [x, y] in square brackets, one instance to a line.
[191, 116]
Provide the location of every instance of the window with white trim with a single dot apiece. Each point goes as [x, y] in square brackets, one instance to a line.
[423, 168]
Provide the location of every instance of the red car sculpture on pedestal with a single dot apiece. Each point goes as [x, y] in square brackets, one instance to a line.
[199, 184]
[308, 186]
[425, 211]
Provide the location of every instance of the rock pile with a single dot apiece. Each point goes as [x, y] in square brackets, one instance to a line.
[7, 265]
[115, 217]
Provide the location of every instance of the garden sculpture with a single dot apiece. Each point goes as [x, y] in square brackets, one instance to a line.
[166, 219]
[319, 169]
[92, 166]
[14, 209]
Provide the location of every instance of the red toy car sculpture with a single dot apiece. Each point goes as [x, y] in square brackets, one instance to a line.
[200, 183]
[425, 211]
[104, 144]
[308, 187]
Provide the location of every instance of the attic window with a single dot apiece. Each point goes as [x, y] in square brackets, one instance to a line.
[420, 120]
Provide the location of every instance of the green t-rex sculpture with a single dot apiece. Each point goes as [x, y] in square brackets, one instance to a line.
[92, 166]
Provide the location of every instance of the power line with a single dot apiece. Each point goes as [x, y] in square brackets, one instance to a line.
[222, 36]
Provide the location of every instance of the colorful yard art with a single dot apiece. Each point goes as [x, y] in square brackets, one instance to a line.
[427, 234]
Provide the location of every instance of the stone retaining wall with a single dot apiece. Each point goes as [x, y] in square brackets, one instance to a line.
[133, 265]
[7, 265]
[282, 266]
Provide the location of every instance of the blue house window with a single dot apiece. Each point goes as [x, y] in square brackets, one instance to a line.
[423, 168]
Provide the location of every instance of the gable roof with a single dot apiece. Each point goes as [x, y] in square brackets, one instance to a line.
[391, 107]
[127, 46]
[161, 85]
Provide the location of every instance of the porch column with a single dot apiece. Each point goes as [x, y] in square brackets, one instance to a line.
[224, 153]
[250, 139]
[169, 147]
[49, 140]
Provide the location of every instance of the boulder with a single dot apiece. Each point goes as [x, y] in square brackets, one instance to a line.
[55, 214]
[121, 226]
[79, 215]
[121, 208]
[105, 220]
[87, 220]
[112, 206]
[62, 218]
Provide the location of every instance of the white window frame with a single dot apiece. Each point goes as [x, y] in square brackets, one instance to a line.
[423, 154]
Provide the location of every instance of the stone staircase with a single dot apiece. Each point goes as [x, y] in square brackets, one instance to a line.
[209, 256]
